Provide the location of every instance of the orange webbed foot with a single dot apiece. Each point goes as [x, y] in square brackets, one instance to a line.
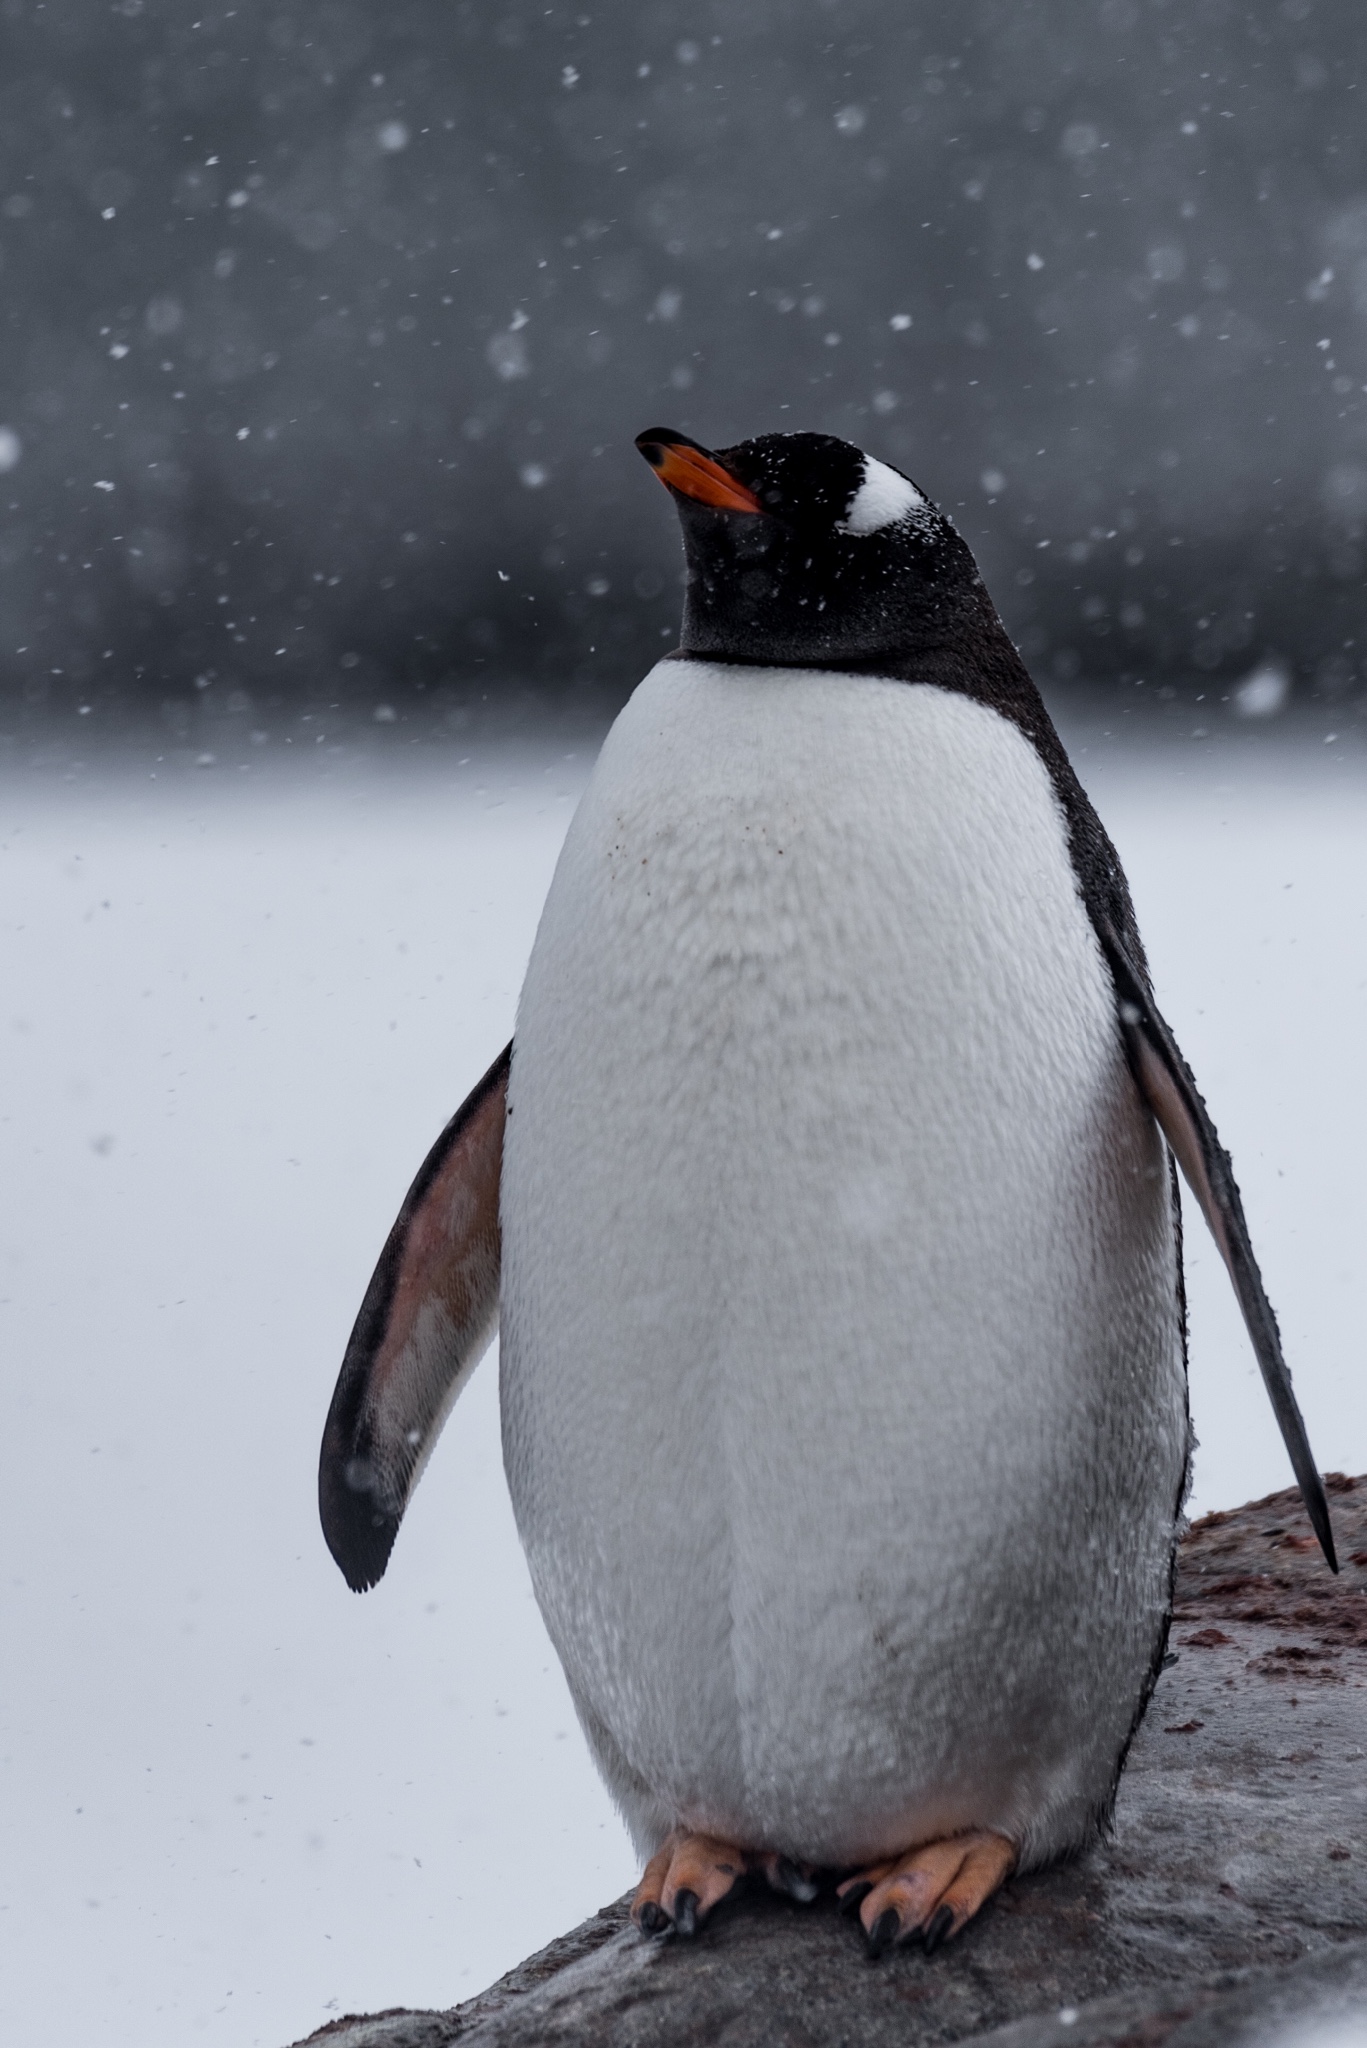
[931, 1892]
[690, 1874]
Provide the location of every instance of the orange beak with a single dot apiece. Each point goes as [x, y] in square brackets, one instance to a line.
[691, 471]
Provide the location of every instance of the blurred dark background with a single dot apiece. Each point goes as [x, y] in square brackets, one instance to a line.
[327, 329]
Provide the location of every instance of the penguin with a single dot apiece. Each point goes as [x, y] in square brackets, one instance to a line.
[827, 1203]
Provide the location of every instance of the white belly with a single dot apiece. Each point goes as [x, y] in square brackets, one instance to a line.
[844, 1407]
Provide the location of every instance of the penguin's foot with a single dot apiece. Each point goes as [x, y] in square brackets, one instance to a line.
[930, 1892]
[690, 1874]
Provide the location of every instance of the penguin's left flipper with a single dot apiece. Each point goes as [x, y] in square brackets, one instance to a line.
[931, 1892]
[690, 1874]
[428, 1316]
[1165, 1081]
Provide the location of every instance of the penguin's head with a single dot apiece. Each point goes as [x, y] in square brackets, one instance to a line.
[804, 551]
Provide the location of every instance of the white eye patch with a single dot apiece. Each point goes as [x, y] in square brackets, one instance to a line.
[882, 498]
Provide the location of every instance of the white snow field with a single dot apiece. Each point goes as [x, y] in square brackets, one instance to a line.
[237, 1007]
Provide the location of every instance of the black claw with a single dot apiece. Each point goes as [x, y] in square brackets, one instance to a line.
[853, 1899]
[937, 1927]
[883, 1932]
[685, 1913]
[654, 1919]
[794, 1881]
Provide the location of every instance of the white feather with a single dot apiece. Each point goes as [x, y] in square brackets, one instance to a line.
[883, 497]
[844, 1410]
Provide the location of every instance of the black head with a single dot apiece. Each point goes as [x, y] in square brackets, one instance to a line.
[804, 551]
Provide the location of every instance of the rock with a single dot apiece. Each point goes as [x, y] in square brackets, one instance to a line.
[1228, 1905]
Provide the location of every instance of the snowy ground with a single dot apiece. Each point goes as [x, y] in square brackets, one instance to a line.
[238, 1004]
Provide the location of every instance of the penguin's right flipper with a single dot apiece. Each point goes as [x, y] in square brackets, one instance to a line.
[1166, 1083]
[426, 1321]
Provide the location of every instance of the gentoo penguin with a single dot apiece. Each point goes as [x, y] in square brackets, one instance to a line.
[825, 1200]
